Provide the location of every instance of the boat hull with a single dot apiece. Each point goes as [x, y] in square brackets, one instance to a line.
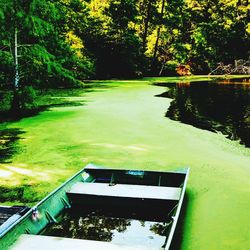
[152, 191]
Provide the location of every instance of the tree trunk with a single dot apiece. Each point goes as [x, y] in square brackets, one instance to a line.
[159, 30]
[16, 80]
[15, 107]
[147, 20]
[162, 67]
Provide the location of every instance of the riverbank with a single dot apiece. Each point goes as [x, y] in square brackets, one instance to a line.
[46, 98]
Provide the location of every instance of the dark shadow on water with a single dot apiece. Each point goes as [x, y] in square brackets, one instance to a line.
[24, 193]
[9, 143]
[46, 99]
[214, 106]
[9, 137]
[10, 116]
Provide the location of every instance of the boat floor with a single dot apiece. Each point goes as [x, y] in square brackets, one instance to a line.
[39, 242]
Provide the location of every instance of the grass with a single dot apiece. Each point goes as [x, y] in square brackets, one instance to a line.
[123, 126]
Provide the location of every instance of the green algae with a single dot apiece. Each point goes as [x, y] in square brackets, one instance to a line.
[125, 127]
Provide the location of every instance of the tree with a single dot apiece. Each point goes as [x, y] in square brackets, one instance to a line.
[147, 9]
[113, 41]
[61, 43]
[46, 30]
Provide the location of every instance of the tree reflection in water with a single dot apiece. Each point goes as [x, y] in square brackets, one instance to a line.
[214, 106]
[98, 225]
[91, 227]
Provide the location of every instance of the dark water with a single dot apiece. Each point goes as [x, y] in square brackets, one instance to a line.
[110, 226]
[215, 106]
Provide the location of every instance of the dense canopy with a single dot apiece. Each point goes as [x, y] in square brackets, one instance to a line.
[64, 42]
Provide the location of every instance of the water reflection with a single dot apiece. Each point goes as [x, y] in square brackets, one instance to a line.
[214, 106]
[98, 225]
[90, 227]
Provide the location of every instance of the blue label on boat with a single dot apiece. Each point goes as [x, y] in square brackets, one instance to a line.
[135, 172]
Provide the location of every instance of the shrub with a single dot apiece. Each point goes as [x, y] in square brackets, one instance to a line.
[183, 70]
[27, 98]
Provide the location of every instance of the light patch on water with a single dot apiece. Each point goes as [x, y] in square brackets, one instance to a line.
[107, 145]
[137, 148]
[64, 109]
[85, 159]
[22, 165]
[138, 233]
[44, 176]
[26, 172]
[110, 145]
[20, 170]
[5, 173]
[68, 98]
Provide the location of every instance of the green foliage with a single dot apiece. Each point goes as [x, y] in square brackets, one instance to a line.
[113, 41]
[170, 67]
[6, 68]
[5, 100]
[46, 57]
[201, 33]
[62, 43]
[122, 12]
[27, 97]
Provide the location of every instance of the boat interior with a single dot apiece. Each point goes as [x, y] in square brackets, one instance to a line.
[106, 208]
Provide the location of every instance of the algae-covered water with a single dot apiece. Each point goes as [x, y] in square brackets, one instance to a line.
[124, 126]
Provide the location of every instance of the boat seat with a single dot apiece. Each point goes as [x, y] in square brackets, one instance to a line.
[126, 191]
[39, 242]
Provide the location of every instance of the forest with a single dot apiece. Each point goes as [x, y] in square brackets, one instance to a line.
[47, 43]
[150, 85]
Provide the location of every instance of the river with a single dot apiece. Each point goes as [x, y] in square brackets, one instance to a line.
[124, 126]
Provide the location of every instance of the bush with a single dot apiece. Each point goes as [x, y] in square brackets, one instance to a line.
[5, 100]
[27, 98]
[170, 67]
[183, 70]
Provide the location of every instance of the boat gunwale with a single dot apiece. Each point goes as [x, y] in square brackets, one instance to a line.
[29, 212]
[178, 210]
[183, 170]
